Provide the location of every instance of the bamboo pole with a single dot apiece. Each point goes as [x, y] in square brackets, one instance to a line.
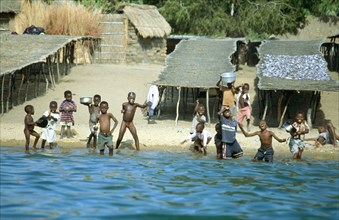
[178, 103]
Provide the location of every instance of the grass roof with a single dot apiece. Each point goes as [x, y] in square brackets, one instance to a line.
[198, 63]
[7, 6]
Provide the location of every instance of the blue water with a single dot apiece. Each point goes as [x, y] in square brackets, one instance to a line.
[76, 183]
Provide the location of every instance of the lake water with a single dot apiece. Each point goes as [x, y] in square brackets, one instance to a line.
[76, 183]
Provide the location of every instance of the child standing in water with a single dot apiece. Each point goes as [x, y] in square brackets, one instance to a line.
[128, 111]
[230, 145]
[48, 134]
[94, 111]
[297, 131]
[29, 128]
[218, 140]
[266, 150]
[199, 116]
[105, 135]
[67, 108]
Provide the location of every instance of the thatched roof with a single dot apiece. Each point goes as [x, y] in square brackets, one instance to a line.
[293, 65]
[147, 20]
[7, 6]
[198, 63]
[19, 51]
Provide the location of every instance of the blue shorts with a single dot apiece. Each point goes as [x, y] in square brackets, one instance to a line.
[231, 150]
[104, 140]
[265, 153]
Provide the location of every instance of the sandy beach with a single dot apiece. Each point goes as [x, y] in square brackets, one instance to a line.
[113, 82]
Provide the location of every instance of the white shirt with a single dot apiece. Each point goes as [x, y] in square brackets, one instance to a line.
[204, 135]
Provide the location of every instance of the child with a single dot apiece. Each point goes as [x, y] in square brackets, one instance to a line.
[327, 135]
[29, 128]
[297, 131]
[48, 134]
[67, 108]
[128, 110]
[266, 150]
[218, 140]
[199, 116]
[200, 137]
[228, 93]
[94, 111]
[105, 135]
[230, 145]
[244, 106]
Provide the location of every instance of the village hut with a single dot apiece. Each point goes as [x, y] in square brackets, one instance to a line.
[8, 10]
[147, 31]
[331, 53]
[31, 64]
[195, 65]
[292, 75]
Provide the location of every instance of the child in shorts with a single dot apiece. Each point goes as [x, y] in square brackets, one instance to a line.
[230, 145]
[105, 132]
[29, 128]
[67, 108]
[297, 131]
[265, 152]
[244, 106]
[48, 134]
[218, 140]
[200, 137]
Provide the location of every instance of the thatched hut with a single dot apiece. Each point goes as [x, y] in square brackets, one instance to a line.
[195, 65]
[147, 30]
[8, 10]
[291, 75]
[31, 64]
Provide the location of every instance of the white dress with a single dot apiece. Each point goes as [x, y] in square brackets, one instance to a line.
[49, 133]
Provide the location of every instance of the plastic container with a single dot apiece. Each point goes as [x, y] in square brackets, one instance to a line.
[86, 100]
[228, 77]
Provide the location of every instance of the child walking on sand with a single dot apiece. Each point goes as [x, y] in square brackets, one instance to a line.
[244, 106]
[94, 111]
[200, 137]
[48, 134]
[230, 145]
[29, 128]
[297, 131]
[105, 135]
[199, 116]
[67, 108]
[128, 111]
[265, 152]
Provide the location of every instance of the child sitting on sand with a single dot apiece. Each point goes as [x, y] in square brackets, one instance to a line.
[128, 110]
[199, 116]
[48, 134]
[67, 108]
[230, 145]
[266, 150]
[94, 111]
[297, 131]
[327, 135]
[200, 137]
[29, 128]
[105, 135]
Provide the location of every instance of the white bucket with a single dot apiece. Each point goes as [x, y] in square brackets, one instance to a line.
[228, 77]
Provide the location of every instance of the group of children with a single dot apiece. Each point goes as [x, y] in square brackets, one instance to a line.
[99, 122]
[225, 140]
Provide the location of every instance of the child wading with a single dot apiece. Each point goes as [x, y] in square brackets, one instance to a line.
[266, 150]
[200, 137]
[94, 111]
[105, 135]
[128, 111]
[29, 128]
[48, 134]
[230, 145]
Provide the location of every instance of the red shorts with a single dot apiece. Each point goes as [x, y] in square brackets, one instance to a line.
[244, 113]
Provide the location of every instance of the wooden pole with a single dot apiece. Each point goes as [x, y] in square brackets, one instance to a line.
[28, 73]
[178, 103]
[57, 64]
[208, 106]
[21, 83]
[2, 94]
[83, 51]
[285, 109]
[9, 92]
[266, 105]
